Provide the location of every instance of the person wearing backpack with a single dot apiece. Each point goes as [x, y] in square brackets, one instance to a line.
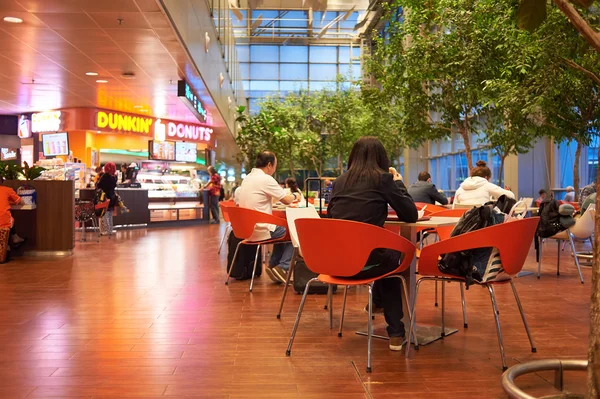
[108, 184]
[363, 194]
[477, 189]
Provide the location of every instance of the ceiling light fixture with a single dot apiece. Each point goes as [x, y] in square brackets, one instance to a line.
[91, 73]
[101, 81]
[137, 106]
[13, 20]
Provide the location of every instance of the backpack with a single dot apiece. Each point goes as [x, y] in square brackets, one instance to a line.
[549, 219]
[99, 202]
[464, 263]
[244, 261]
[302, 275]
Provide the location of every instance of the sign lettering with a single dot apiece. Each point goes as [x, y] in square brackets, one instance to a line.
[124, 123]
[191, 100]
[46, 121]
[190, 132]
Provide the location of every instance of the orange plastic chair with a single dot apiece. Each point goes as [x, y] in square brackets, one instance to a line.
[430, 208]
[225, 205]
[513, 241]
[335, 266]
[243, 222]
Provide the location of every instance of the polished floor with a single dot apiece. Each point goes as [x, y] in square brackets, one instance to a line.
[146, 314]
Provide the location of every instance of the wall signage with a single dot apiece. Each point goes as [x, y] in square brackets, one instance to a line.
[8, 154]
[191, 100]
[123, 122]
[24, 127]
[189, 132]
[46, 121]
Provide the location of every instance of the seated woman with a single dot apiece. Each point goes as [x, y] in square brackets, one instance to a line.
[477, 189]
[9, 197]
[362, 194]
[292, 187]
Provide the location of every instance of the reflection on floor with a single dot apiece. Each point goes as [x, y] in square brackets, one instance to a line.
[146, 314]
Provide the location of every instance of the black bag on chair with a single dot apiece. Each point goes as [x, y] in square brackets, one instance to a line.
[244, 262]
[302, 275]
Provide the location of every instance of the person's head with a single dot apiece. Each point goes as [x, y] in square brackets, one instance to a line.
[267, 161]
[123, 167]
[292, 184]
[98, 169]
[110, 168]
[481, 170]
[367, 161]
[570, 189]
[542, 193]
[211, 170]
[424, 176]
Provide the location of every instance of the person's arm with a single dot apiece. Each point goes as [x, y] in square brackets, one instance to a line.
[13, 198]
[278, 193]
[397, 196]
[437, 196]
[499, 191]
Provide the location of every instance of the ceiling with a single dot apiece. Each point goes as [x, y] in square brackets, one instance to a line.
[44, 60]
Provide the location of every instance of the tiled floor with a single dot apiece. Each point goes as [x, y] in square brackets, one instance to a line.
[146, 314]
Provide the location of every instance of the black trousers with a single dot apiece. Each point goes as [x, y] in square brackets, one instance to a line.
[214, 206]
[387, 292]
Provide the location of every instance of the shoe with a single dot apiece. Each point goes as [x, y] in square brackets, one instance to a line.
[280, 274]
[271, 274]
[396, 343]
[376, 310]
[215, 222]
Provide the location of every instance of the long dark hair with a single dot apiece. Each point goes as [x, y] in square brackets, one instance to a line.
[292, 185]
[368, 160]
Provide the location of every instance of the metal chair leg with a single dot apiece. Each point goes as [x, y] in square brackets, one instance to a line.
[575, 256]
[413, 321]
[343, 310]
[464, 305]
[533, 348]
[225, 235]
[540, 257]
[443, 333]
[330, 299]
[500, 341]
[326, 301]
[288, 352]
[287, 280]
[254, 269]
[408, 305]
[370, 328]
[558, 259]
[436, 294]
[232, 262]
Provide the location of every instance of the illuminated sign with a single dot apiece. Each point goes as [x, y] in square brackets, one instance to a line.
[24, 127]
[8, 154]
[191, 100]
[190, 132]
[46, 121]
[160, 133]
[124, 123]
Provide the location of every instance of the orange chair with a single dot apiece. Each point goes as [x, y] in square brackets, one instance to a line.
[513, 241]
[225, 205]
[357, 240]
[243, 222]
[430, 208]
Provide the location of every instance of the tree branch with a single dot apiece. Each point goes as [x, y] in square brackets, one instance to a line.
[581, 69]
[579, 23]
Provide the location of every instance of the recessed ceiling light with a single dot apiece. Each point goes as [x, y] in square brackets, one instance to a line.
[91, 73]
[13, 20]
[143, 110]
[137, 106]
[101, 81]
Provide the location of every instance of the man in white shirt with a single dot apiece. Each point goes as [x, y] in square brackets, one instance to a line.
[258, 191]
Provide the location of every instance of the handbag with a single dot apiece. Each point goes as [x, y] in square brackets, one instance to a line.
[28, 194]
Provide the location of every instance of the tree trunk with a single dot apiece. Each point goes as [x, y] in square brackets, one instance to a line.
[340, 164]
[588, 33]
[501, 173]
[468, 152]
[594, 351]
[576, 169]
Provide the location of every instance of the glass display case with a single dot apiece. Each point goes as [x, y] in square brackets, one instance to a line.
[64, 171]
[169, 185]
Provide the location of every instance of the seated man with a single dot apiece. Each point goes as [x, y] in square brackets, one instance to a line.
[570, 195]
[424, 191]
[586, 192]
[258, 191]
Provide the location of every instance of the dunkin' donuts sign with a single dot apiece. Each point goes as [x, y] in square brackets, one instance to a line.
[159, 129]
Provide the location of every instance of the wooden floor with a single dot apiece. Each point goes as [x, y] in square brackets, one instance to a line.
[146, 314]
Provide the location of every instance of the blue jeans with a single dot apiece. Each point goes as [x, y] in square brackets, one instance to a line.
[282, 253]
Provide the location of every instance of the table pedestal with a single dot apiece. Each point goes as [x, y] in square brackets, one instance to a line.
[426, 333]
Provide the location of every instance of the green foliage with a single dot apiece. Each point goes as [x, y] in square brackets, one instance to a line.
[32, 172]
[531, 14]
[10, 170]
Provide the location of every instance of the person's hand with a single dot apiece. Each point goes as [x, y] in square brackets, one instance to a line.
[395, 174]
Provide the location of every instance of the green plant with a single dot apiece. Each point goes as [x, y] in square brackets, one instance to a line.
[32, 172]
[10, 171]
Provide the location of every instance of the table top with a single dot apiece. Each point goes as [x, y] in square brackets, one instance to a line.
[23, 207]
[435, 221]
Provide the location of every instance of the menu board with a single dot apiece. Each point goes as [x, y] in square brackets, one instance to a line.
[161, 150]
[185, 152]
[8, 154]
[55, 144]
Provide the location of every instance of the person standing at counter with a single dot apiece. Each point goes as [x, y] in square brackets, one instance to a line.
[108, 183]
[214, 188]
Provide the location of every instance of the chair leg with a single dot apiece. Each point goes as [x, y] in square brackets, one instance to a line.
[436, 294]
[232, 262]
[330, 300]
[326, 301]
[406, 299]
[533, 348]
[287, 281]
[288, 352]
[413, 321]
[575, 256]
[500, 341]
[540, 257]
[225, 235]
[464, 305]
[343, 310]
[370, 328]
[443, 332]
[254, 269]
[558, 259]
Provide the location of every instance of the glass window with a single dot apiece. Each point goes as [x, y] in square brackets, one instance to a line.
[462, 170]
[344, 56]
[245, 70]
[356, 52]
[237, 23]
[323, 54]
[350, 22]
[592, 161]
[294, 54]
[293, 86]
[293, 71]
[246, 85]
[294, 19]
[254, 105]
[264, 85]
[323, 72]
[269, 18]
[260, 53]
[243, 53]
[264, 71]
[315, 86]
